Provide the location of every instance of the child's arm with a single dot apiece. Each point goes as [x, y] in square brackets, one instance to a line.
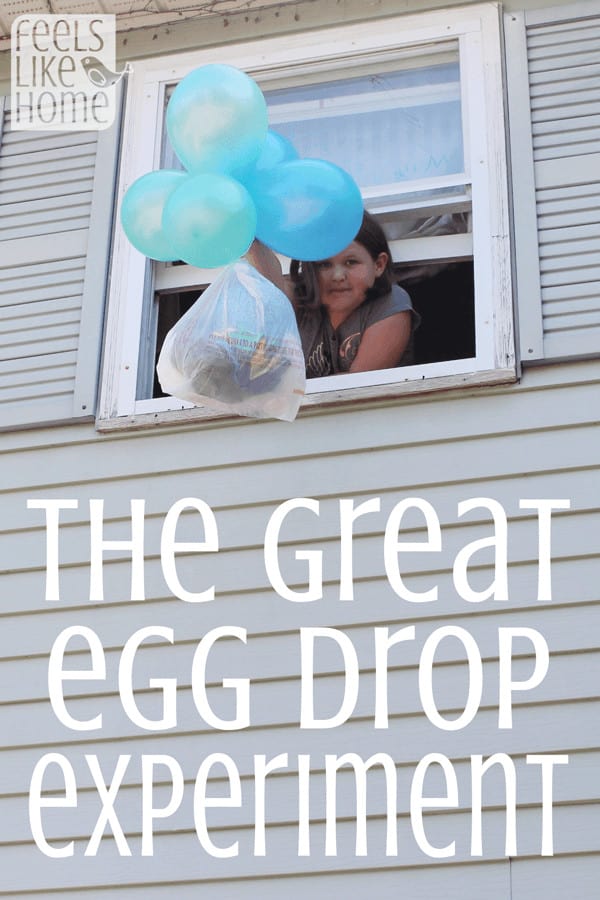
[383, 343]
[266, 262]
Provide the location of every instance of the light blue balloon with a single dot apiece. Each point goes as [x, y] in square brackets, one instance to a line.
[275, 149]
[217, 119]
[142, 209]
[210, 220]
[308, 209]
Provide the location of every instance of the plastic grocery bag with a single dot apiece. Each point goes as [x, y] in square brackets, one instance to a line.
[237, 349]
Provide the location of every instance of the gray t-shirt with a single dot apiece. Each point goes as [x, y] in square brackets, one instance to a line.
[328, 350]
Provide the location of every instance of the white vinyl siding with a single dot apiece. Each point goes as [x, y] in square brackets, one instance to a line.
[55, 222]
[444, 449]
[560, 305]
[536, 438]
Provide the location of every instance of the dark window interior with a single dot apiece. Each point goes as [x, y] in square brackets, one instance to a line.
[442, 294]
[444, 298]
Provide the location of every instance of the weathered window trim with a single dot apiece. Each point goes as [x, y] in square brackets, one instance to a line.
[477, 29]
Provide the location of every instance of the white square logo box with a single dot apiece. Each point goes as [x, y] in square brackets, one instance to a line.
[63, 73]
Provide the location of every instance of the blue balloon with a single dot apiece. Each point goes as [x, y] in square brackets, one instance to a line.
[210, 220]
[275, 149]
[142, 209]
[217, 119]
[308, 209]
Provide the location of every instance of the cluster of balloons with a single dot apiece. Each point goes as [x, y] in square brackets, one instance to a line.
[242, 181]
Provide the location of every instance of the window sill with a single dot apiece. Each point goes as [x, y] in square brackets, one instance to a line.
[313, 402]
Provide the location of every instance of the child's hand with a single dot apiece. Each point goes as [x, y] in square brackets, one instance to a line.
[266, 262]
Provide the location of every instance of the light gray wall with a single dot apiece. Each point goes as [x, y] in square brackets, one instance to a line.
[535, 439]
[538, 439]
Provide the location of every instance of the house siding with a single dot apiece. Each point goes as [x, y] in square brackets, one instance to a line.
[538, 438]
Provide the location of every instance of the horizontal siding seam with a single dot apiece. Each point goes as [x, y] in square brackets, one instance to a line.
[210, 466]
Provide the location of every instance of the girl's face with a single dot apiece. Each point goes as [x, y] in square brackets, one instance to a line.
[345, 278]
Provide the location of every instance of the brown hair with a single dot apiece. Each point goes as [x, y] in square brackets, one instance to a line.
[304, 275]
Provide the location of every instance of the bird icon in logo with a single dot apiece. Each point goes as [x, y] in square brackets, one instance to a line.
[99, 75]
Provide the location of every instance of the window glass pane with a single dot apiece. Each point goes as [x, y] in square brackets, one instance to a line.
[384, 128]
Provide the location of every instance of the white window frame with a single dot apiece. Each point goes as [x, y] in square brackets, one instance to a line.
[270, 60]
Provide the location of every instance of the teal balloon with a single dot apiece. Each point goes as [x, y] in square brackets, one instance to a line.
[275, 149]
[308, 209]
[217, 119]
[142, 209]
[210, 220]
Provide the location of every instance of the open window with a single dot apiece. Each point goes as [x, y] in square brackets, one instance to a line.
[412, 108]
